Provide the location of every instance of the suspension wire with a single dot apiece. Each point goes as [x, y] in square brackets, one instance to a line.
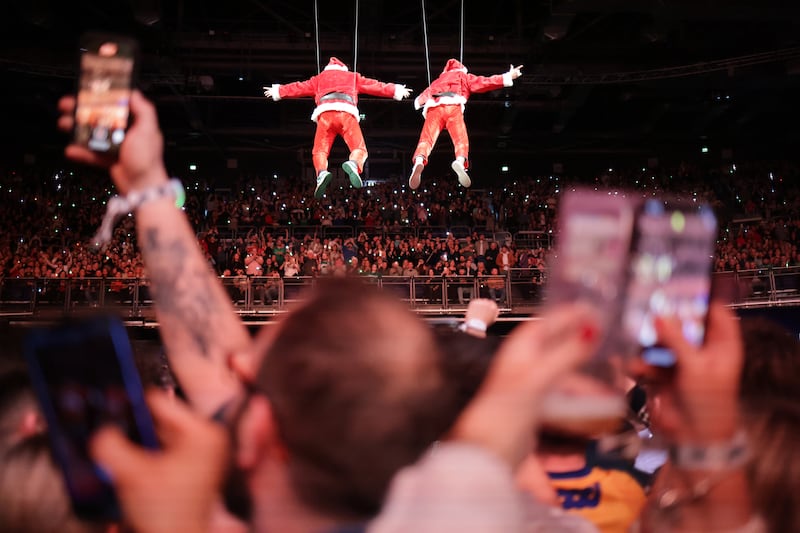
[425, 34]
[316, 34]
[355, 43]
[461, 54]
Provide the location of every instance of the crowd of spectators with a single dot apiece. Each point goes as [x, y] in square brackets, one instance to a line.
[266, 226]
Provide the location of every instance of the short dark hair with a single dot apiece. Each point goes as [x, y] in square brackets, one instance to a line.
[354, 385]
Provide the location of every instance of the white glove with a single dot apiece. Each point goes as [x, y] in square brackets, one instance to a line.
[268, 92]
[400, 91]
[515, 72]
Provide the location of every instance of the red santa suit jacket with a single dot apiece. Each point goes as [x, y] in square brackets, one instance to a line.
[337, 89]
[454, 86]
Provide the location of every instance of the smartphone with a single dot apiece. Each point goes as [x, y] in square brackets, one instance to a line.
[670, 274]
[84, 377]
[591, 255]
[107, 74]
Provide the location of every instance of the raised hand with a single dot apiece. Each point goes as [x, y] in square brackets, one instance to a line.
[515, 72]
[140, 161]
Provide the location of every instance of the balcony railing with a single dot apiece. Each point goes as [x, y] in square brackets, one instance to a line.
[521, 290]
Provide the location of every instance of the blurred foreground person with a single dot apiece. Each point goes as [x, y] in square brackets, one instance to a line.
[33, 498]
[771, 416]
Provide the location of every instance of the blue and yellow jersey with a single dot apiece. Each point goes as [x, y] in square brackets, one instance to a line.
[610, 498]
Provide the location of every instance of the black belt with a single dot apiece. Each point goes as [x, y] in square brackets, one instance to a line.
[439, 95]
[337, 96]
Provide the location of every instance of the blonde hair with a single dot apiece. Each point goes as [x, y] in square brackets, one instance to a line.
[33, 498]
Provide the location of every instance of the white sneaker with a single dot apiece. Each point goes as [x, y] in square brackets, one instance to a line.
[351, 169]
[416, 176]
[461, 172]
[323, 180]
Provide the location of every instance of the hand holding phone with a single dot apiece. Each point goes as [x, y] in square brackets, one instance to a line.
[84, 378]
[670, 275]
[107, 71]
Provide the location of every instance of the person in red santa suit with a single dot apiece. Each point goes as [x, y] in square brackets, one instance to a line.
[335, 91]
[443, 108]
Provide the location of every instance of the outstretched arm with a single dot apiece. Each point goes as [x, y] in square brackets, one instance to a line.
[378, 88]
[198, 325]
[482, 84]
[298, 89]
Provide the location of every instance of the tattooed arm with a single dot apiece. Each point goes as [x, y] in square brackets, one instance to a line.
[198, 324]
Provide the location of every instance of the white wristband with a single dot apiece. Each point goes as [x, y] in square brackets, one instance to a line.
[474, 324]
[122, 205]
[726, 455]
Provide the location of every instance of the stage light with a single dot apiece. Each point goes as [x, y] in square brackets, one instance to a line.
[504, 168]
[192, 167]
[704, 149]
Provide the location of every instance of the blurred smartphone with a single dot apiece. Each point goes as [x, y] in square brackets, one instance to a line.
[670, 274]
[107, 73]
[84, 377]
[590, 263]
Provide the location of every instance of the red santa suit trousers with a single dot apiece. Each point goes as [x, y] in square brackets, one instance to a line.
[329, 125]
[449, 117]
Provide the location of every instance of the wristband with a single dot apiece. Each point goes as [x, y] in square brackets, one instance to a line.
[473, 324]
[726, 455]
[122, 205]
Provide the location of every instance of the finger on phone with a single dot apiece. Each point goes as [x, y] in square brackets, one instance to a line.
[723, 328]
[67, 104]
[671, 336]
[171, 417]
[142, 109]
[66, 123]
[117, 455]
[81, 154]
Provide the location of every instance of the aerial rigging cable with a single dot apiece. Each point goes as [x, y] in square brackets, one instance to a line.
[316, 33]
[355, 42]
[425, 35]
[461, 53]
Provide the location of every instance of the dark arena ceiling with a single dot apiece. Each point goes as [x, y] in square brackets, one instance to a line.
[604, 80]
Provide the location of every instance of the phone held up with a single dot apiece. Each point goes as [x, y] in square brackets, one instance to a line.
[635, 259]
[84, 378]
[670, 275]
[631, 259]
[107, 74]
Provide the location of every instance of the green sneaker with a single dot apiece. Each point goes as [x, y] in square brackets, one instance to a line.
[351, 169]
[323, 180]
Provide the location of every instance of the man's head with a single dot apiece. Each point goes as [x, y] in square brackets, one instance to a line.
[355, 393]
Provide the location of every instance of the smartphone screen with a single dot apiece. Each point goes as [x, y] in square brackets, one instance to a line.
[593, 242]
[104, 91]
[84, 377]
[670, 274]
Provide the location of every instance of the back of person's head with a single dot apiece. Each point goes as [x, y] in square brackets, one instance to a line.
[464, 360]
[354, 386]
[769, 385]
[19, 414]
[33, 498]
[774, 470]
[772, 361]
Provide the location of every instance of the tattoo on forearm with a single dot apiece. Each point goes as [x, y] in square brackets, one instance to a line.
[183, 289]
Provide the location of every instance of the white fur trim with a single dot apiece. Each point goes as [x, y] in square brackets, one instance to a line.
[335, 106]
[398, 91]
[335, 67]
[276, 91]
[417, 102]
[444, 100]
[507, 80]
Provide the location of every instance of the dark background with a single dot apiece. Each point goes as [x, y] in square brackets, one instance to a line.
[606, 82]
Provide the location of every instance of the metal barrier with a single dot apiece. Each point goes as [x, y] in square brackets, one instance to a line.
[519, 291]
